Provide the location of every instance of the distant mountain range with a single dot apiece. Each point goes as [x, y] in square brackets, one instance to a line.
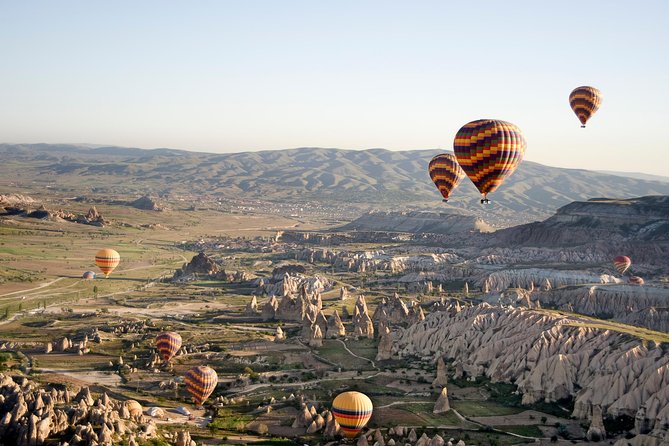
[378, 178]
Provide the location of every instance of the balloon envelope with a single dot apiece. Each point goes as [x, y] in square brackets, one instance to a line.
[489, 151]
[107, 259]
[585, 101]
[168, 344]
[352, 410]
[636, 280]
[88, 275]
[622, 263]
[446, 173]
[200, 383]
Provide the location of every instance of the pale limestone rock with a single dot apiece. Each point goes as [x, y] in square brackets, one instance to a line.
[596, 431]
[335, 327]
[385, 345]
[441, 380]
[442, 404]
[412, 437]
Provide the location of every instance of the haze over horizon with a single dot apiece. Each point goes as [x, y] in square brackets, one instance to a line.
[231, 77]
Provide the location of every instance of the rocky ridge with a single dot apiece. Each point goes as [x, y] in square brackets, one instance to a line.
[550, 357]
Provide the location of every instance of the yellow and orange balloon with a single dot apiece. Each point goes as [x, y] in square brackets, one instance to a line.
[489, 151]
[446, 173]
[107, 260]
[352, 410]
[585, 101]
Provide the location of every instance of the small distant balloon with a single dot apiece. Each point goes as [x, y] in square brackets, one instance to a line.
[88, 275]
[446, 173]
[622, 263]
[489, 151]
[168, 344]
[636, 280]
[200, 383]
[585, 101]
[107, 260]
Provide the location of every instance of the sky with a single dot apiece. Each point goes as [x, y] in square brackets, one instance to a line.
[230, 76]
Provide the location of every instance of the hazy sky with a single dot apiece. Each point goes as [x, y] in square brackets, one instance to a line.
[228, 76]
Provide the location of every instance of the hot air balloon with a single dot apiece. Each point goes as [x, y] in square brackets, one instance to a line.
[446, 173]
[134, 408]
[168, 344]
[352, 410]
[489, 151]
[200, 383]
[88, 275]
[107, 259]
[622, 263]
[585, 101]
[636, 280]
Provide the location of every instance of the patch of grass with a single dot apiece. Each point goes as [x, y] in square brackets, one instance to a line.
[228, 420]
[470, 408]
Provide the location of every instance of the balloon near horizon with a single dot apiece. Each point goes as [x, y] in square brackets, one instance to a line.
[107, 260]
[489, 151]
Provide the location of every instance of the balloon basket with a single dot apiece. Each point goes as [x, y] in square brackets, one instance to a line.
[485, 201]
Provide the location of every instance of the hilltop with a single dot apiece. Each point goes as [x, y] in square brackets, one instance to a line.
[376, 177]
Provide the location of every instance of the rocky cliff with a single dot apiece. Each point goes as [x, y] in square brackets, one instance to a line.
[550, 357]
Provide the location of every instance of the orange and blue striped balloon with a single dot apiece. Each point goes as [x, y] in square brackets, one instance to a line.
[107, 259]
[446, 173]
[585, 101]
[200, 383]
[489, 151]
[352, 410]
[168, 344]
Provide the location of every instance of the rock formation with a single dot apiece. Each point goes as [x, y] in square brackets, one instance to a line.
[252, 307]
[441, 380]
[146, 203]
[550, 357]
[596, 431]
[200, 265]
[335, 327]
[442, 404]
[385, 348]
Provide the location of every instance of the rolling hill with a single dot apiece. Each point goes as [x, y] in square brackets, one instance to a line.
[379, 178]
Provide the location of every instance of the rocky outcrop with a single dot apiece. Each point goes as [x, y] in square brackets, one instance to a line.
[442, 405]
[269, 309]
[316, 338]
[441, 380]
[30, 415]
[251, 308]
[335, 327]
[362, 323]
[642, 306]
[385, 348]
[279, 335]
[527, 278]
[550, 357]
[146, 203]
[596, 431]
[200, 265]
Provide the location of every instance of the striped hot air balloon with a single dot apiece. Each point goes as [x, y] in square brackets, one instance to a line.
[636, 280]
[489, 151]
[88, 275]
[585, 101]
[446, 173]
[107, 259]
[200, 383]
[352, 410]
[168, 344]
[622, 263]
